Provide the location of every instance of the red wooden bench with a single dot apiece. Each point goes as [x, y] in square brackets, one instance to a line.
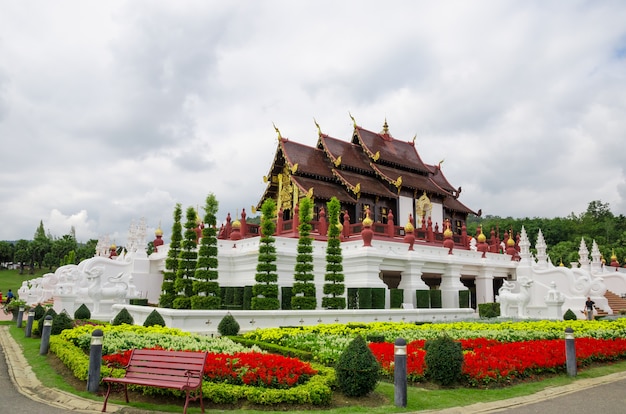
[178, 370]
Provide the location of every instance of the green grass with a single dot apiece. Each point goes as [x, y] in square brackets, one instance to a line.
[11, 279]
[418, 398]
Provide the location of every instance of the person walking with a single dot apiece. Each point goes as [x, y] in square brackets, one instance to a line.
[589, 308]
[10, 296]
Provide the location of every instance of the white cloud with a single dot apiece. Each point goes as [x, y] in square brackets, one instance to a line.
[111, 112]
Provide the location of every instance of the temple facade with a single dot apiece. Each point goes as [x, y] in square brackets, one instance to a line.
[372, 172]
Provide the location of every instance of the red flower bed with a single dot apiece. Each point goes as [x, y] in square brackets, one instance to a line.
[250, 368]
[489, 361]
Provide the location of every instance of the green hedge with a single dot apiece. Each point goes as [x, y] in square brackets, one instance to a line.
[285, 299]
[489, 310]
[423, 299]
[464, 298]
[396, 298]
[365, 298]
[378, 298]
[435, 299]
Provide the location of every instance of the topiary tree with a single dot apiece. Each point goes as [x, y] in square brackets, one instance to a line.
[569, 315]
[39, 328]
[82, 312]
[228, 326]
[187, 259]
[357, 370]
[334, 287]
[171, 262]
[40, 311]
[206, 289]
[265, 290]
[123, 317]
[60, 323]
[303, 289]
[154, 318]
[443, 360]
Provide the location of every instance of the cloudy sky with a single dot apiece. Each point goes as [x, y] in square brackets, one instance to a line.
[113, 111]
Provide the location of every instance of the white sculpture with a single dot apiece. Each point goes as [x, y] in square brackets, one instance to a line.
[507, 298]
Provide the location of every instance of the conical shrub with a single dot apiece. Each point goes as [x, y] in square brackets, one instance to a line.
[357, 370]
[228, 326]
[443, 360]
[122, 317]
[154, 318]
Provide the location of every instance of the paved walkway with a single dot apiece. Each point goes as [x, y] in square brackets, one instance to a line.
[24, 393]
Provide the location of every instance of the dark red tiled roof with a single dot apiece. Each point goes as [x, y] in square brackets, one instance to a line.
[409, 180]
[391, 150]
[452, 203]
[323, 189]
[310, 160]
[440, 179]
[351, 155]
[369, 185]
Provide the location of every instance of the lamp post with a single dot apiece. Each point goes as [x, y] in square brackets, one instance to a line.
[399, 372]
[570, 352]
[45, 335]
[95, 361]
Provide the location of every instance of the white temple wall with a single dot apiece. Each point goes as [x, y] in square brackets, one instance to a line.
[406, 207]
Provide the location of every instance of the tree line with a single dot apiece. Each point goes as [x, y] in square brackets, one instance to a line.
[46, 251]
[563, 234]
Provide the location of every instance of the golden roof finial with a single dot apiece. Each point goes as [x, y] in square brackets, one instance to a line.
[319, 130]
[414, 138]
[280, 137]
[385, 130]
[353, 120]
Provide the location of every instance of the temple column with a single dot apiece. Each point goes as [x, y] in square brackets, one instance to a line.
[484, 286]
[451, 285]
[411, 280]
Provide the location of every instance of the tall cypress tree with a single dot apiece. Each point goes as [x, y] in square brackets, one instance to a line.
[265, 291]
[303, 288]
[168, 291]
[187, 259]
[206, 289]
[334, 287]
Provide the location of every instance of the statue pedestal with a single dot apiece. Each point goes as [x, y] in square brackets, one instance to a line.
[555, 309]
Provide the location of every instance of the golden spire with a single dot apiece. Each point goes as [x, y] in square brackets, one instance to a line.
[319, 130]
[353, 120]
[385, 130]
[280, 137]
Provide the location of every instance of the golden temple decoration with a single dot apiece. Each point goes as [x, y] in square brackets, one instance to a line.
[338, 161]
[253, 209]
[398, 182]
[423, 208]
[309, 193]
[294, 168]
[376, 156]
[357, 188]
[280, 137]
[319, 130]
[385, 130]
[414, 138]
[353, 120]
[285, 189]
[265, 179]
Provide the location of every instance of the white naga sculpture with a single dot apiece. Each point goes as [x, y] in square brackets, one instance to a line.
[507, 298]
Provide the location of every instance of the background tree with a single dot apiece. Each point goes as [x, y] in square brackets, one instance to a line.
[23, 254]
[7, 252]
[41, 245]
[265, 290]
[86, 250]
[303, 286]
[187, 258]
[206, 289]
[62, 247]
[171, 262]
[334, 288]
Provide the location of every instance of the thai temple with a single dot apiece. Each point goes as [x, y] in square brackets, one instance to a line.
[403, 237]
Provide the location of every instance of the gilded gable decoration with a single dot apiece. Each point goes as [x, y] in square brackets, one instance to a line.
[285, 189]
[423, 208]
